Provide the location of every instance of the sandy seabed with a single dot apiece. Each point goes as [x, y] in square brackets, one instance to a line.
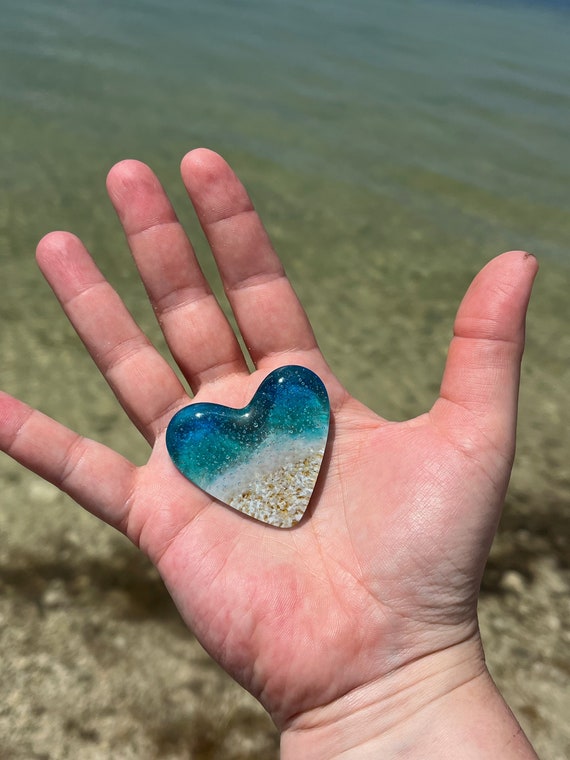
[276, 495]
[96, 663]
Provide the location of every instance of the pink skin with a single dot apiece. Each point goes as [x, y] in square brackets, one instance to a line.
[384, 570]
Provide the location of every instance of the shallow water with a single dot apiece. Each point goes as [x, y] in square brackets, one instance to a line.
[392, 148]
[457, 110]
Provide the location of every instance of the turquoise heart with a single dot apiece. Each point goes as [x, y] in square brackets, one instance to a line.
[264, 459]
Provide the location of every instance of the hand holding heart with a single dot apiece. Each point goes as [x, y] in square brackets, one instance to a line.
[375, 590]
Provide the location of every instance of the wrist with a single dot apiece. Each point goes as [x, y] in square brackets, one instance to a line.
[442, 706]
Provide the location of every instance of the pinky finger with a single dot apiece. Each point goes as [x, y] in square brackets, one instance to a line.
[95, 476]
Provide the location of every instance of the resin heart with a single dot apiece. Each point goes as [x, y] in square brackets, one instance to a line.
[264, 459]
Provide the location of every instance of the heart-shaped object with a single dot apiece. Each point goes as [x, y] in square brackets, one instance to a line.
[264, 459]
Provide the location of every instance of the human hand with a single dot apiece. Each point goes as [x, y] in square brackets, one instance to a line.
[337, 625]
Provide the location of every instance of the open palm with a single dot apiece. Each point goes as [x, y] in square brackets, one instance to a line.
[385, 566]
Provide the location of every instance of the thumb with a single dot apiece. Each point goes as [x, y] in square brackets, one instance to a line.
[479, 390]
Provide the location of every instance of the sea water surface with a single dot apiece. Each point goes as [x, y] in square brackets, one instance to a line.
[392, 148]
[434, 105]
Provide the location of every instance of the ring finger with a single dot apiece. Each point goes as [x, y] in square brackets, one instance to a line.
[142, 380]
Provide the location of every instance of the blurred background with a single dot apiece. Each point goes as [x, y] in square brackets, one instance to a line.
[392, 148]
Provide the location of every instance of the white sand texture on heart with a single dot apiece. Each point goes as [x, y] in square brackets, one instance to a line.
[275, 484]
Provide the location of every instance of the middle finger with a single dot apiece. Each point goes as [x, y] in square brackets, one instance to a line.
[198, 334]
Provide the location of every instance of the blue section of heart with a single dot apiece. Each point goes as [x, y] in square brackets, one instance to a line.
[291, 406]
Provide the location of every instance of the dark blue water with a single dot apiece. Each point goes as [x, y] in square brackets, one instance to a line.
[206, 440]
